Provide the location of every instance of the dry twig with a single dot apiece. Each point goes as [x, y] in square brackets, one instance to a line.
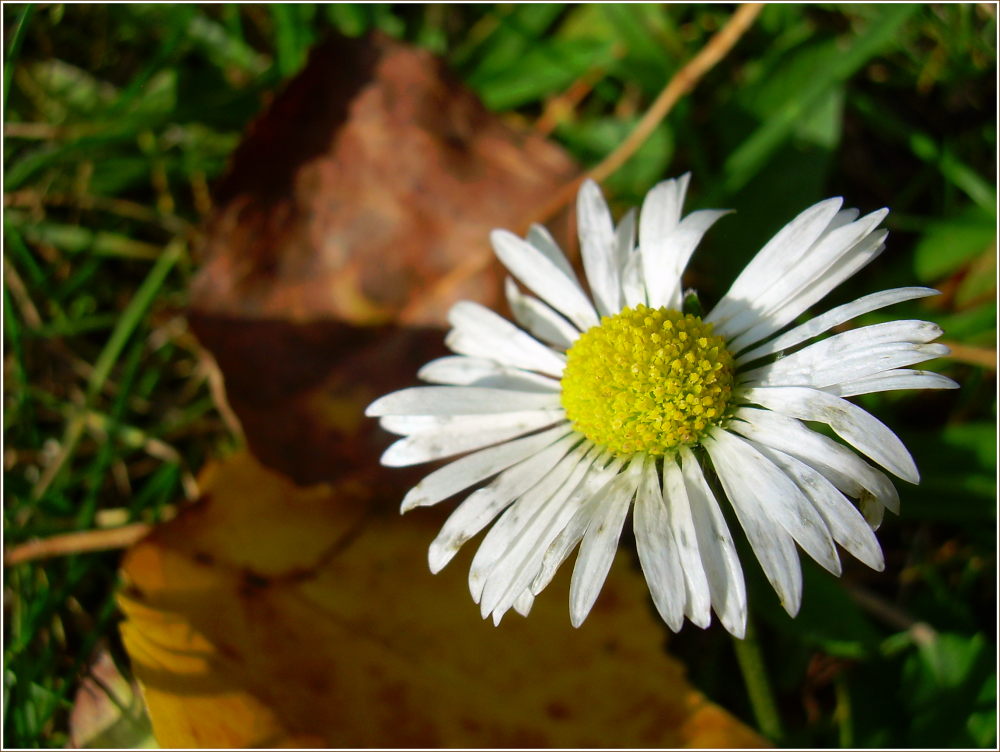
[976, 356]
[85, 541]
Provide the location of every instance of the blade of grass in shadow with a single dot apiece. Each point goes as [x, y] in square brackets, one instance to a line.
[127, 324]
[923, 146]
[17, 38]
[838, 66]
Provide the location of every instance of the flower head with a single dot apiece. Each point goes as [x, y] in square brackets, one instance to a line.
[597, 404]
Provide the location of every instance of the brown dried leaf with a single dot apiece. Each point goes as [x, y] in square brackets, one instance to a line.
[274, 615]
[357, 210]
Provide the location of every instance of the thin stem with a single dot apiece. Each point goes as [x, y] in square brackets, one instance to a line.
[751, 660]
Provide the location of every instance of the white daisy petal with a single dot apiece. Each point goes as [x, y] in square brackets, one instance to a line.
[657, 551]
[837, 463]
[849, 264]
[633, 288]
[777, 258]
[545, 278]
[680, 244]
[772, 308]
[592, 493]
[851, 355]
[834, 317]
[661, 210]
[660, 215]
[772, 545]
[857, 365]
[480, 332]
[718, 552]
[405, 425]
[481, 507]
[901, 378]
[625, 240]
[857, 427]
[465, 370]
[545, 518]
[599, 544]
[522, 605]
[698, 605]
[459, 400]
[473, 468]
[539, 319]
[541, 239]
[598, 248]
[847, 525]
[788, 506]
[500, 558]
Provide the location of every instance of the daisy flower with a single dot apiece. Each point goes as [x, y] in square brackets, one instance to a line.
[592, 405]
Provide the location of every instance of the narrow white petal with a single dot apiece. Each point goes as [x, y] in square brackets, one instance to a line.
[718, 552]
[657, 551]
[599, 544]
[787, 505]
[598, 248]
[481, 332]
[473, 468]
[812, 268]
[837, 463]
[888, 381]
[545, 278]
[459, 400]
[493, 571]
[544, 518]
[539, 319]
[775, 259]
[523, 603]
[773, 546]
[633, 286]
[834, 317]
[846, 523]
[465, 370]
[853, 366]
[680, 244]
[850, 355]
[698, 607]
[847, 266]
[661, 212]
[857, 427]
[479, 509]
[661, 209]
[590, 496]
[856, 365]
[405, 425]
[542, 240]
[625, 239]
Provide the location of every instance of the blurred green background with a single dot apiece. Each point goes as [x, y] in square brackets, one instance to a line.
[118, 118]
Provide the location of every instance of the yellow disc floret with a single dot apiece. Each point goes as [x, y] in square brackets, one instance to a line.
[647, 381]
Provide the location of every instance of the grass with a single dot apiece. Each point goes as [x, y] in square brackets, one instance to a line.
[119, 117]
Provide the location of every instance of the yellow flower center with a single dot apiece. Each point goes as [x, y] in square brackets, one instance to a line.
[647, 381]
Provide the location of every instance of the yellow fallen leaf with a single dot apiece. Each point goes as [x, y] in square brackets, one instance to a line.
[273, 615]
